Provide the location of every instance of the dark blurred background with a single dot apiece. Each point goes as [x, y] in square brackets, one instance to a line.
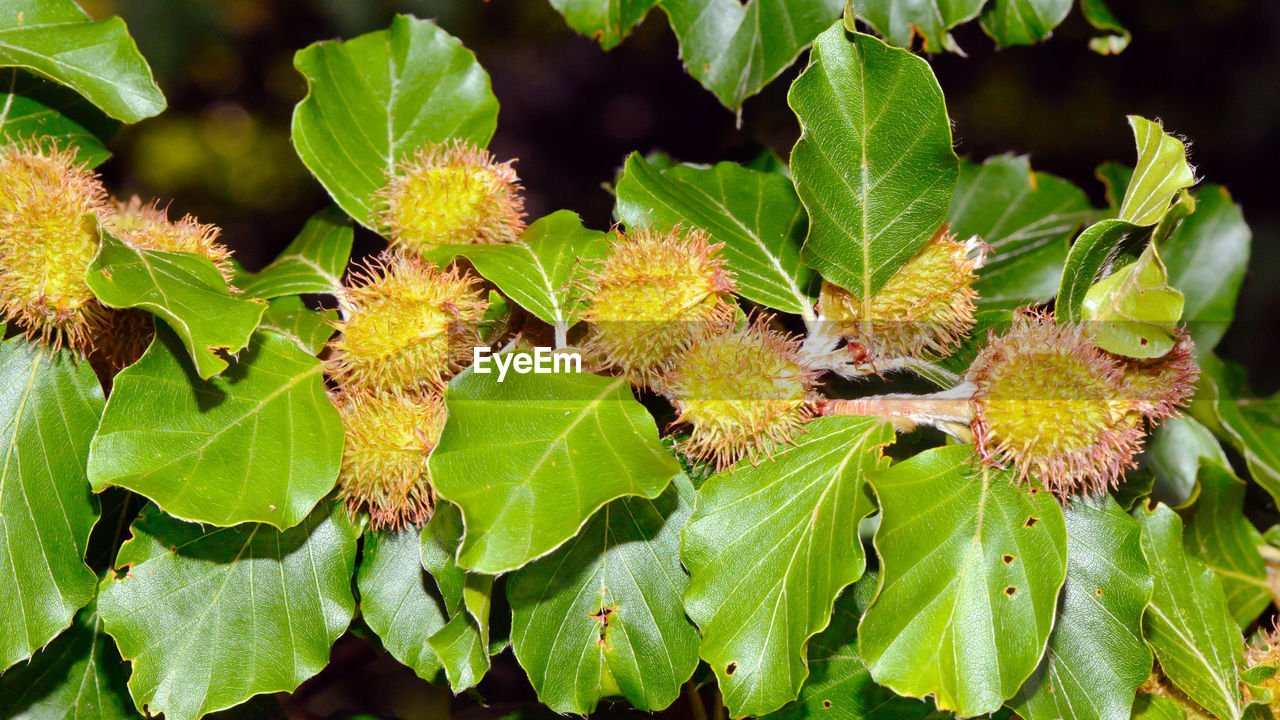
[1210, 69]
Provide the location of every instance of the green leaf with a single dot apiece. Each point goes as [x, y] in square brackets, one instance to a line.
[603, 614]
[1135, 486]
[45, 112]
[1161, 174]
[1188, 625]
[1184, 204]
[767, 160]
[874, 165]
[1206, 258]
[1173, 453]
[79, 675]
[49, 406]
[262, 707]
[398, 599]
[947, 526]
[1134, 311]
[606, 21]
[1026, 217]
[312, 263]
[1023, 22]
[463, 644]
[839, 686]
[769, 548]
[212, 617]
[543, 270]
[289, 317]
[1219, 534]
[183, 289]
[99, 60]
[757, 216]
[437, 553]
[1157, 707]
[901, 21]
[1095, 250]
[373, 100]
[735, 48]
[261, 443]
[1161, 171]
[1249, 424]
[1114, 38]
[1255, 681]
[1115, 178]
[583, 441]
[1096, 657]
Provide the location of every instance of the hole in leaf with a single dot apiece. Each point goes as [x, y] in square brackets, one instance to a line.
[1010, 590]
[1007, 558]
[602, 616]
[1031, 521]
[731, 668]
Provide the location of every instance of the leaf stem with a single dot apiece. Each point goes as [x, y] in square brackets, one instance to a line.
[949, 410]
[822, 351]
[1270, 555]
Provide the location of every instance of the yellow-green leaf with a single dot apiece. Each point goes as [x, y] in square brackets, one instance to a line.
[1161, 171]
[964, 550]
[1134, 311]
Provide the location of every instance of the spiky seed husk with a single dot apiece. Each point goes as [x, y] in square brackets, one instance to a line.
[149, 227]
[1052, 404]
[451, 193]
[406, 324]
[1162, 386]
[925, 309]
[743, 393]
[125, 334]
[49, 206]
[384, 459]
[1265, 650]
[655, 295]
[120, 339]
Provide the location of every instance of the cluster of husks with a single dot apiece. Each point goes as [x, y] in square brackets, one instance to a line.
[407, 325]
[742, 393]
[662, 315]
[1264, 652]
[924, 310]
[1044, 400]
[655, 295]
[51, 208]
[384, 460]
[451, 194]
[148, 226]
[1059, 409]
